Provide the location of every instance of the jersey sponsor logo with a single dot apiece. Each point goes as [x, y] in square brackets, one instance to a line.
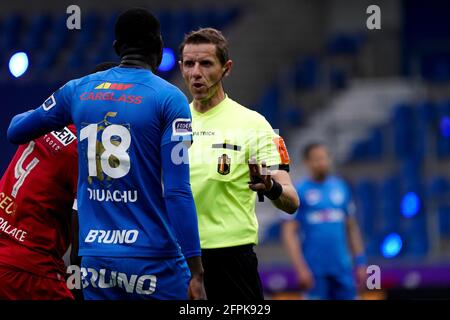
[65, 136]
[224, 164]
[103, 195]
[7, 204]
[324, 216]
[113, 86]
[282, 150]
[181, 127]
[112, 236]
[49, 103]
[110, 96]
[203, 133]
[104, 279]
[16, 233]
[313, 197]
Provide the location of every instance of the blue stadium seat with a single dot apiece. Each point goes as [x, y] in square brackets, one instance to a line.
[443, 143]
[439, 186]
[12, 30]
[338, 78]
[426, 112]
[444, 220]
[76, 60]
[375, 144]
[105, 51]
[60, 36]
[293, 116]
[166, 24]
[306, 74]
[367, 200]
[369, 149]
[202, 18]
[404, 131]
[37, 31]
[435, 67]
[47, 60]
[270, 104]
[222, 17]
[415, 233]
[410, 171]
[181, 23]
[344, 44]
[390, 203]
[91, 24]
[359, 151]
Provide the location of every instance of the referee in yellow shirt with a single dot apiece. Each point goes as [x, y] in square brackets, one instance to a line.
[230, 143]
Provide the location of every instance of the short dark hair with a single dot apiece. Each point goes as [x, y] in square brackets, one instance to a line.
[139, 31]
[310, 147]
[207, 35]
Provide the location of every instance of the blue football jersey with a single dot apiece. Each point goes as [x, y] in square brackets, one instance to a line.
[324, 207]
[123, 117]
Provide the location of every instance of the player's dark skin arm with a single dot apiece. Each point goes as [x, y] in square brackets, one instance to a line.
[262, 182]
[196, 286]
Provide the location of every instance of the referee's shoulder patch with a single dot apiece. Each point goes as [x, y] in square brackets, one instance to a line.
[282, 150]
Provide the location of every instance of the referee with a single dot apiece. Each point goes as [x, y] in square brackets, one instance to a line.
[236, 154]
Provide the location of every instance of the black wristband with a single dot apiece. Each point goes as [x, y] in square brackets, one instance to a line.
[275, 192]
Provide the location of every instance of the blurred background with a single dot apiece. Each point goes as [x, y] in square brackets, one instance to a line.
[380, 99]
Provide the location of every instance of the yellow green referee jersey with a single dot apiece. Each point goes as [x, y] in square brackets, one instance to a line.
[225, 137]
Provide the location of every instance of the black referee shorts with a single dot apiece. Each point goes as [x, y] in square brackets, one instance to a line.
[232, 274]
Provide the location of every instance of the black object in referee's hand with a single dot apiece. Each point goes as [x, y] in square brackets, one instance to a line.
[257, 181]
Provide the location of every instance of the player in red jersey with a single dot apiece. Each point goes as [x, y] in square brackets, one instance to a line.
[37, 192]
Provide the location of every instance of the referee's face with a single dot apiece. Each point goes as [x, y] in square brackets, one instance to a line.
[201, 70]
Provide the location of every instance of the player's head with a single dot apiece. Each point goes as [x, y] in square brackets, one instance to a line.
[104, 66]
[317, 159]
[204, 61]
[137, 31]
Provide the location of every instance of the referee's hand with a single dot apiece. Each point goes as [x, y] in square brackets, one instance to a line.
[260, 178]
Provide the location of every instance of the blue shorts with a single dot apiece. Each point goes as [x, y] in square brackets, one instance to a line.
[333, 287]
[111, 278]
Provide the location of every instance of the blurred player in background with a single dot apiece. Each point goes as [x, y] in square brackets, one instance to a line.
[37, 193]
[137, 217]
[329, 231]
[227, 135]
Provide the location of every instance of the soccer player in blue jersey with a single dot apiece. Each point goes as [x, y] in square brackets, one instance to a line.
[138, 235]
[329, 232]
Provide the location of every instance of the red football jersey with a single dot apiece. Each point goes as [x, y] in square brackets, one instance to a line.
[37, 193]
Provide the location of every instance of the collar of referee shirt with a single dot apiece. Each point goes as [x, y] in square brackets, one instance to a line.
[135, 61]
